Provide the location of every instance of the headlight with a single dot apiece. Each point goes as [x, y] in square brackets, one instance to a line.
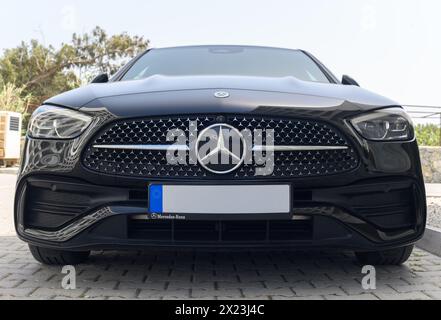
[392, 124]
[49, 122]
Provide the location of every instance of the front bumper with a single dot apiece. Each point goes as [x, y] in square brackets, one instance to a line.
[378, 205]
[72, 214]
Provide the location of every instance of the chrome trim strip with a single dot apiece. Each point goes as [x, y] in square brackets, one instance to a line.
[297, 148]
[173, 147]
[301, 218]
[72, 230]
[147, 147]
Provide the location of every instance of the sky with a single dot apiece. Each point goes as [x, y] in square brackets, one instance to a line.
[392, 47]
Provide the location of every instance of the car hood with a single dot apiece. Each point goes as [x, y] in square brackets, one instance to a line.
[253, 92]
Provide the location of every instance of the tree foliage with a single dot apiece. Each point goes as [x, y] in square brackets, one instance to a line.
[97, 52]
[13, 99]
[44, 71]
[428, 134]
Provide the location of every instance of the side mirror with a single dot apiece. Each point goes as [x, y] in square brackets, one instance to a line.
[347, 80]
[102, 78]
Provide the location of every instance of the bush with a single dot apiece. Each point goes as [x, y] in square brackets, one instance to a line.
[428, 134]
[13, 99]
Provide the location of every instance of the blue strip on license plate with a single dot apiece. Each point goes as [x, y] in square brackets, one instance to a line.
[156, 199]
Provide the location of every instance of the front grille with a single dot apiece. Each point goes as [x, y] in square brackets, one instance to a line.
[154, 164]
[221, 231]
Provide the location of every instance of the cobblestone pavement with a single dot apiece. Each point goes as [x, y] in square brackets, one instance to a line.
[207, 275]
[434, 212]
[7, 186]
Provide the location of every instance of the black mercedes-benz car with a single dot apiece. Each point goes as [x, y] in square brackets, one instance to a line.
[220, 147]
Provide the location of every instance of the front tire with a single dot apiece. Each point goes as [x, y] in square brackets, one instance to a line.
[58, 257]
[394, 257]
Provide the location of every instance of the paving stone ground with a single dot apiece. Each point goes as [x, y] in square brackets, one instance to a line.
[215, 275]
[7, 186]
[434, 212]
[207, 275]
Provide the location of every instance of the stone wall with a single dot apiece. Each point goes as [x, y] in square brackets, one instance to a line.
[431, 163]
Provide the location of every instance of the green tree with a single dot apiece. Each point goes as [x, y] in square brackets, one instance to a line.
[428, 134]
[98, 53]
[45, 71]
[13, 99]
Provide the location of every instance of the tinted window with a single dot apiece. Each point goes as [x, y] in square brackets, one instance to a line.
[218, 60]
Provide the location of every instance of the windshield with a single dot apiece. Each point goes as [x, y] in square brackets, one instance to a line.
[226, 60]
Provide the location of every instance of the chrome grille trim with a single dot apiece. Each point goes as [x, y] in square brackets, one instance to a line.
[149, 147]
[297, 148]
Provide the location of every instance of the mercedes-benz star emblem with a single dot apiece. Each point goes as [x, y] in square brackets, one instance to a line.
[221, 149]
[221, 94]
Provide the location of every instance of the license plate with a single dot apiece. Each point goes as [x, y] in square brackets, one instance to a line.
[191, 199]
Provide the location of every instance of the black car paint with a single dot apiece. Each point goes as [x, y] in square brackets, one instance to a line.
[290, 88]
[288, 97]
